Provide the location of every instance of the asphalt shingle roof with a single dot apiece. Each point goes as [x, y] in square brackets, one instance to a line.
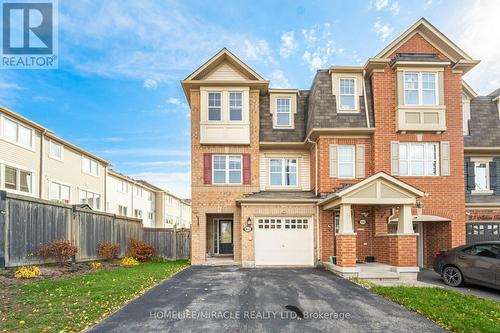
[484, 124]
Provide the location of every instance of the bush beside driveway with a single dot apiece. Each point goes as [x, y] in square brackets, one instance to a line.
[75, 303]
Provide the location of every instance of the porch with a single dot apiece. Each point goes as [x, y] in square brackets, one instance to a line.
[375, 271]
[219, 239]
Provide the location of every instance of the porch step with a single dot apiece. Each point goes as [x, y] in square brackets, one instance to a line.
[378, 275]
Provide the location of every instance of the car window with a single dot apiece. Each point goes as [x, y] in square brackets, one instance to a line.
[486, 250]
[468, 250]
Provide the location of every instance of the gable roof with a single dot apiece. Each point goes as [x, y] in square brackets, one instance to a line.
[468, 90]
[437, 39]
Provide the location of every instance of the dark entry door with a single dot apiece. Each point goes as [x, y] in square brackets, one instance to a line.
[225, 237]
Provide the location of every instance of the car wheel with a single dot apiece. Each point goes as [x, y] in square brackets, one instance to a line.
[452, 276]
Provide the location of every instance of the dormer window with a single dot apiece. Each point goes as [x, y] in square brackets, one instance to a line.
[420, 88]
[347, 94]
[214, 106]
[283, 112]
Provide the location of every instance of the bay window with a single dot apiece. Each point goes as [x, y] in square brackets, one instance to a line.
[235, 106]
[418, 159]
[420, 88]
[227, 169]
[214, 106]
[283, 172]
[347, 94]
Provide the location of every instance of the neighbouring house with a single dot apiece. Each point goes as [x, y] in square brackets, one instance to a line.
[35, 162]
[368, 164]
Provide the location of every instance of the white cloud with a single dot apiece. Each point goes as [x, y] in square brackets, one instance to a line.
[8, 85]
[172, 105]
[387, 5]
[310, 36]
[278, 79]
[258, 51]
[150, 84]
[288, 44]
[314, 60]
[178, 183]
[46, 99]
[320, 46]
[383, 30]
[9, 92]
[381, 4]
[477, 27]
[395, 8]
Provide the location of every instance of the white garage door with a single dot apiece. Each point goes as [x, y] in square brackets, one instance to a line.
[284, 242]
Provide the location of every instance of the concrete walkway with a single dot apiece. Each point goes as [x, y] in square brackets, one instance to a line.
[233, 299]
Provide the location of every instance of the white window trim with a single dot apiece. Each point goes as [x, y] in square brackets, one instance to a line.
[355, 110]
[483, 160]
[466, 114]
[2, 137]
[290, 124]
[86, 189]
[3, 164]
[420, 89]
[221, 106]
[52, 180]
[52, 155]
[283, 173]
[353, 147]
[425, 144]
[227, 169]
[91, 160]
[229, 106]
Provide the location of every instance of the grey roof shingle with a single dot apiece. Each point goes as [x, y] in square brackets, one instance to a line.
[322, 106]
[484, 124]
[297, 134]
[494, 93]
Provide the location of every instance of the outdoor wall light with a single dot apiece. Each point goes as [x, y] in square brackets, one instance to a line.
[249, 221]
[365, 214]
[420, 204]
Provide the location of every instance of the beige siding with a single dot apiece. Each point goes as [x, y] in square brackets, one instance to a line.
[69, 171]
[225, 72]
[303, 172]
[117, 198]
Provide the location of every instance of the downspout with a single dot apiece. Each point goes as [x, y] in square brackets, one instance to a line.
[316, 193]
[42, 173]
[105, 205]
[366, 101]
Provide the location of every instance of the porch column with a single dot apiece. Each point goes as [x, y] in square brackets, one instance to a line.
[405, 221]
[346, 239]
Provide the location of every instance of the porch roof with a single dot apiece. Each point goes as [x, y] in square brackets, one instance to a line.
[378, 189]
[424, 218]
[280, 196]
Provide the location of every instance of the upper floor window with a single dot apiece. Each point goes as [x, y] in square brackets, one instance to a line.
[420, 88]
[418, 159]
[17, 179]
[346, 162]
[90, 166]
[16, 132]
[466, 113]
[122, 187]
[483, 175]
[283, 112]
[283, 172]
[235, 106]
[227, 169]
[59, 192]
[90, 198]
[138, 192]
[55, 150]
[347, 94]
[214, 106]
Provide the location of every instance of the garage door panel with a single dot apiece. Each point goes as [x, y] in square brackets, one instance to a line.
[284, 241]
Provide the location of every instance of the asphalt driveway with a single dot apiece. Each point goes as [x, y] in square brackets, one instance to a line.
[232, 299]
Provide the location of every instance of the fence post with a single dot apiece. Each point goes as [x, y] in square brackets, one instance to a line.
[3, 227]
[174, 242]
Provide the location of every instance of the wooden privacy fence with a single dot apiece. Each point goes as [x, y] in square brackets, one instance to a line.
[27, 223]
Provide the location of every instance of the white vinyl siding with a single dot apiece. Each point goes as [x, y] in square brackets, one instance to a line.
[418, 159]
[15, 132]
[420, 88]
[90, 166]
[227, 169]
[56, 150]
[347, 94]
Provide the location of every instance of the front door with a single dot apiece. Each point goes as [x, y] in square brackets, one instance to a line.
[225, 236]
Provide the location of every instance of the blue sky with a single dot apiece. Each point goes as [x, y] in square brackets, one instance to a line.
[116, 92]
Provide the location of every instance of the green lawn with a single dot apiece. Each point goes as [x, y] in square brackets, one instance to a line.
[72, 304]
[453, 311]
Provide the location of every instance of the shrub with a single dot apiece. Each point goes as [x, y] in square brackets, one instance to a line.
[95, 265]
[140, 250]
[158, 260]
[109, 250]
[27, 272]
[60, 249]
[129, 261]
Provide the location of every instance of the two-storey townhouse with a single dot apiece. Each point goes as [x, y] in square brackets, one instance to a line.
[35, 162]
[177, 212]
[132, 198]
[366, 165]
[482, 164]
